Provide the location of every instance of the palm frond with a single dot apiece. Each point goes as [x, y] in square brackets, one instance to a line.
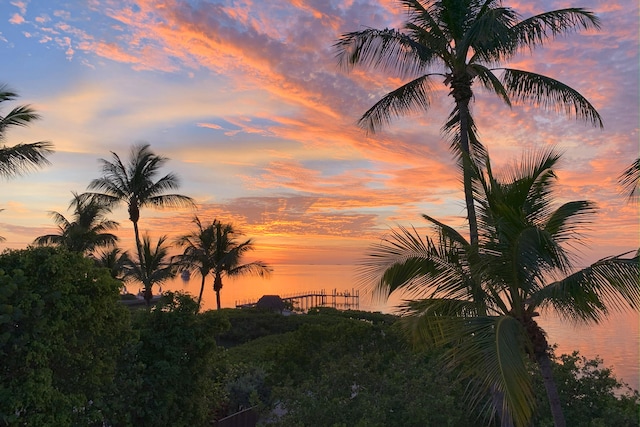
[501, 365]
[254, 268]
[536, 30]
[549, 94]
[169, 201]
[48, 240]
[403, 261]
[630, 180]
[20, 116]
[22, 158]
[589, 294]
[566, 222]
[490, 35]
[488, 349]
[490, 81]
[438, 322]
[411, 97]
[387, 50]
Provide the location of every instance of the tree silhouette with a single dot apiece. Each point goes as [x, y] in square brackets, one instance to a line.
[134, 184]
[463, 42]
[20, 158]
[89, 229]
[213, 248]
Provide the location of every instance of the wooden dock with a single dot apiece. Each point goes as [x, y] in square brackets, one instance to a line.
[303, 301]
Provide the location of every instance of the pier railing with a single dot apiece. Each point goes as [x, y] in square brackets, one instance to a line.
[303, 301]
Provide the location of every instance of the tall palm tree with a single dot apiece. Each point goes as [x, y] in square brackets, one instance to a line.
[89, 229]
[630, 180]
[153, 268]
[464, 42]
[133, 184]
[480, 301]
[213, 248]
[20, 158]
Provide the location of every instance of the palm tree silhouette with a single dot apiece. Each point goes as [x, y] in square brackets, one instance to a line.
[20, 158]
[153, 268]
[480, 301]
[115, 260]
[89, 229]
[134, 185]
[212, 248]
[199, 249]
[463, 42]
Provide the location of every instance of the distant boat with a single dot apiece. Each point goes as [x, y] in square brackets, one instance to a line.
[185, 275]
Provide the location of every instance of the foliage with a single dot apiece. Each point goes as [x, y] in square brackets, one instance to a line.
[591, 395]
[89, 229]
[20, 158]
[629, 180]
[114, 260]
[134, 184]
[462, 43]
[154, 267]
[334, 368]
[338, 368]
[61, 332]
[248, 324]
[479, 301]
[213, 248]
[173, 376]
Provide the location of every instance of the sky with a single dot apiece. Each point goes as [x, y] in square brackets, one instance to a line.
[248, 102]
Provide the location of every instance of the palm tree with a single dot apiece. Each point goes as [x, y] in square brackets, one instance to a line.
[630, 180]
[20, 158]
[89, 229]
[153, 268]
[480, 301]
[199, 251]
[463, 42]
[114, 260]
[214, 249]
[134, 185]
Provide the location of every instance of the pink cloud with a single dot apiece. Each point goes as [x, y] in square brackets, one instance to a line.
[16, 19]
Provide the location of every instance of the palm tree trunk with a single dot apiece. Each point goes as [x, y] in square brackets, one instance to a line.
[463, 108]
[218, 299]
[138, 245]
[148, 294]
[217, 286]
[201, 291]
[544, 363]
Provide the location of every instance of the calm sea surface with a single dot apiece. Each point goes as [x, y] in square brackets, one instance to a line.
[616, 340]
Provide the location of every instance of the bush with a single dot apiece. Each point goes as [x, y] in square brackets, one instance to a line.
[591, 396]
[61, 333]
[174, 374]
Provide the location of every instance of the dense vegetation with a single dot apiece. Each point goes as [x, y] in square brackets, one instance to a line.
[72, 355]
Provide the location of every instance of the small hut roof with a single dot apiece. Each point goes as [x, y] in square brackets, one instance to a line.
[271, 302]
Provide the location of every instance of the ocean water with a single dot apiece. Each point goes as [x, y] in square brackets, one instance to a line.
[616, 340]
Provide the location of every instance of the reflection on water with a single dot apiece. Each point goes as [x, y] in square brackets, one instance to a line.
[615, 340]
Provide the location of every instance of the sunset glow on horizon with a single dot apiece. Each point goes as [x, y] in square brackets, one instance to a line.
[247, 101]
